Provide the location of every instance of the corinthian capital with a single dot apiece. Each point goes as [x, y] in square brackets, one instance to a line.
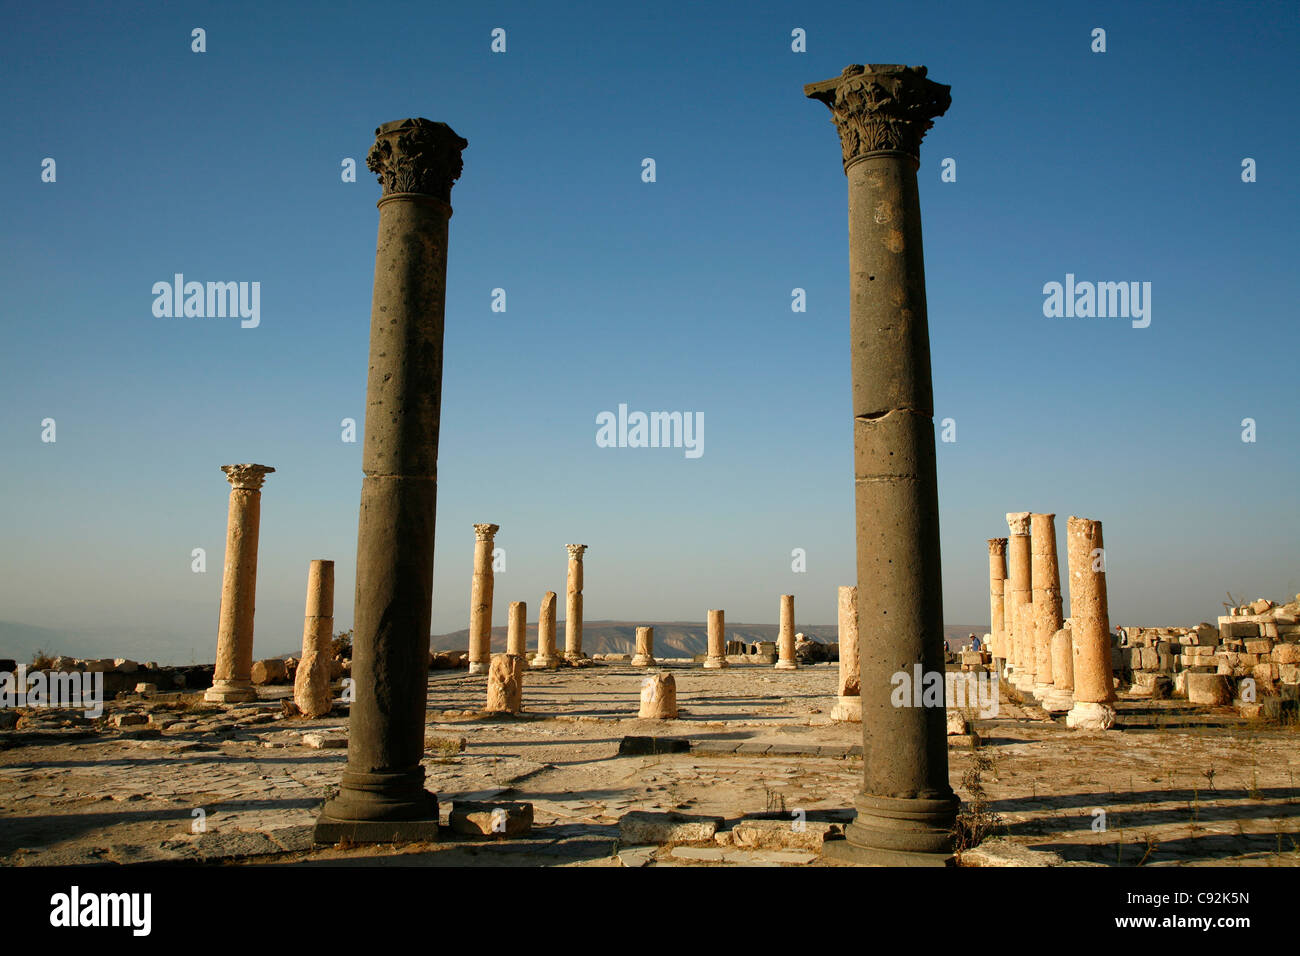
[575, 550]
[416, 156]
[485, 532]
[1018, 522]
[247, 477]
[997, 546]
[881, 107]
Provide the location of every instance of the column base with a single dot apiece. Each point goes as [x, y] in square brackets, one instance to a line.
[230, 692]
[713, 663]
[578, 656]
[847, 710]
[787, 666]
[390, 807]
[544, 663]
[1086, 715]
[643, 660]
[1057, 701]
[892, 831]
[478, 667]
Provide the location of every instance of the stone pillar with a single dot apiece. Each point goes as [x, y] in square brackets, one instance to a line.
[505, 685]
[311, 684]
[382, 797]
[717, 656]
[848, 704]
[906, 808]
[997, 600]
[546, 654]
[517, 631]
[480, 599]
[1060, 698]
[1045, 582]
[1008, 630]
[786, 660]
[645, 647]
[1094, 688]
[658, 697]
[232, 680]
[573, 605]
[1019, 575]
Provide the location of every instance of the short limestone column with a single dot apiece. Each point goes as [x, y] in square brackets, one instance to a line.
[505, 685]
[906, 809]
[1094, 688]
[1008, 629]
[381, 797]
[1060, 698]
[1045, 578]
[848, 702]
[658, 697]
[573, 605]
[311, 683]
[232, 680]
[1019, 573]
[786, 660]
[717, 656]
[997, 600]
[546, 656]
[517, 631]
[645, 647]
[480, 599]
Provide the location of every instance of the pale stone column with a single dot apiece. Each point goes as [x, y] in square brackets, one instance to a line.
[997, 600]
[785, 636]
[1008, 630]
[717, 656]
[1019, 574]
[658, 697]
[382, 797]
[848, 703]
[645, 647]
[906, 808]
[517, 631]
[232, 680]
[480, 599]
[1094, 688]
[1045, 577]
[1060, 698]
[546, 656]
[311, 684]
[573, 605]
[505, 685]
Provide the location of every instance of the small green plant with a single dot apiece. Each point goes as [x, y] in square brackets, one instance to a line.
[975, 820]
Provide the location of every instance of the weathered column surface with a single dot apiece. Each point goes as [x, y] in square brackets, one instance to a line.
[573, 604]
[658, 697]
[505, 685]
[645, 647]
[997, 599]
[382, 796]
[480, 599]
[311, 684]
[1094, 688]
[786, 660]
[1008, 629]
[1060, 698]
[848, 703]
[1019, 574]
[517, 631]
[717, 656]
[1045, 582]
[906, 809]
[232, 680]
[546, 655]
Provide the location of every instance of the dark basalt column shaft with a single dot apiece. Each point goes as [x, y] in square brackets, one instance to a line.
[382, 796]
[907, 808]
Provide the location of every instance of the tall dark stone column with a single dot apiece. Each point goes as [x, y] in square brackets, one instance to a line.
[906, 810]
[382, 796]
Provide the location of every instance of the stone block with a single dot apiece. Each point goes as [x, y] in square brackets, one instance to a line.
[483, 819]
[270, 671]
[1233, 628]
[1210, 689]
[1286, 654]
[640, 827]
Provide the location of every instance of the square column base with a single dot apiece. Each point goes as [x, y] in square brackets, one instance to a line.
[847, 710]
[643, 661]
[230, 692]
[332, 831]
[544, 663]
[842, 851]
[478, 667]
[714, 663]
[787, 666]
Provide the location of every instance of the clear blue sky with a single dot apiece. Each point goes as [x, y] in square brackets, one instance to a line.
[675, 295]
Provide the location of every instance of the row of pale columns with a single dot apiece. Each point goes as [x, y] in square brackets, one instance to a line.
[1067, 667]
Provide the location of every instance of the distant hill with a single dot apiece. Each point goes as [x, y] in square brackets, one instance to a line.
[672, 638]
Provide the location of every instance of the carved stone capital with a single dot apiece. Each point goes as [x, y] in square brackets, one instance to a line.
[997, 546]
[575, 550]
[248, 477]
[881, 107]
[416, 156]
[1018, 522]
[485, 532]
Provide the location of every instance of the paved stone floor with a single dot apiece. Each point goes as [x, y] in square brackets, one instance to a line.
[1179, 786]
